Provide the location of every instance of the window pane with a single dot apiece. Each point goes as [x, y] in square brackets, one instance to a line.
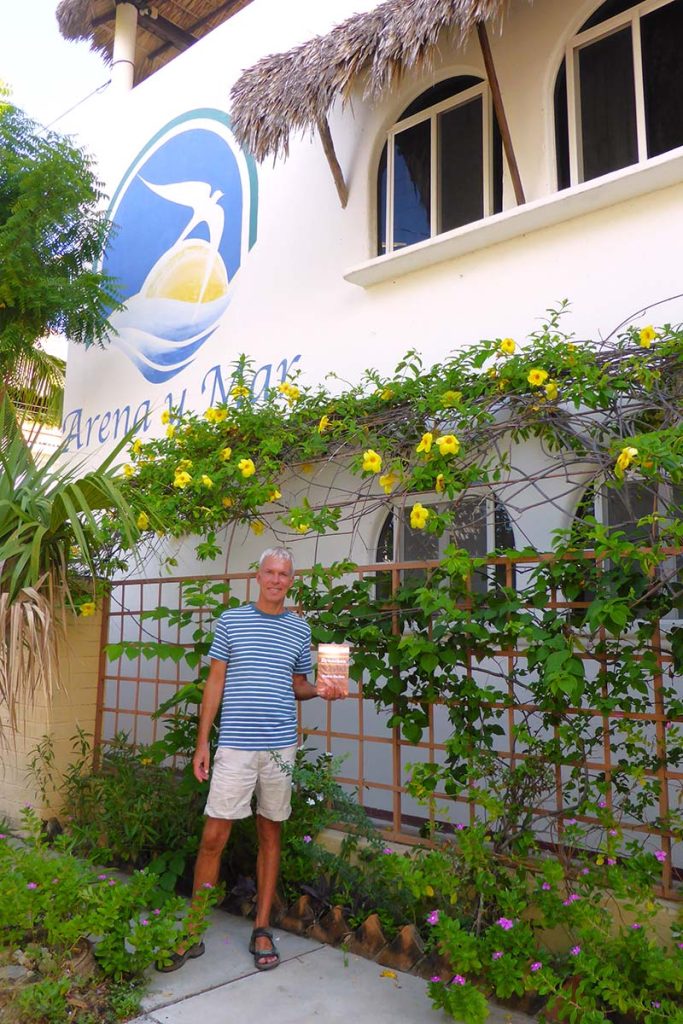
[608, 105]
[626, 506]
[461, 165]
[439, 92]
[562, 128]
[606, 11]
[661, 38]
[469, 532]
[412, 174]
[382, 204]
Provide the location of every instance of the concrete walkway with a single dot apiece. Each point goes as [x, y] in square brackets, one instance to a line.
[312, 983]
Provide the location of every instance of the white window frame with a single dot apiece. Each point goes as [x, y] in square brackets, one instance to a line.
[431, 115]
[581, 41]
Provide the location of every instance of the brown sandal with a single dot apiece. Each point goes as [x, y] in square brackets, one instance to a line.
[178, 959]
[263, 958]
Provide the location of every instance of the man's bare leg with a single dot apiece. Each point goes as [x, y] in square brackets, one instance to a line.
[267, 869]
[208, 864]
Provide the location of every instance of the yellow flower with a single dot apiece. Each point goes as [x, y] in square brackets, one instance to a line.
[322, 426]
[303, 527]
[440, 484]
[143, 521]
[503, 384]
[624, 459]
[240, 391]
[551, 391]
[182, 479]
[226, 502]
[387, 482]
[136, 446]
[419, 516]
[128, 471]
[87, 608]
[274, 495]
[537, 377]
[225, 454]
[160, 533]
[372, 461]
[170, 430]
[206, 480]
[388, 974]
[210, 414]
[450, 398]
[290, 391]
[571, 347]
[646, 336]
[246, 467]
[448, 444]
[306, 467]
[386, 394]
[257, 527]
[600, 860]
[507, 346]
[425, 444]
[165, 416]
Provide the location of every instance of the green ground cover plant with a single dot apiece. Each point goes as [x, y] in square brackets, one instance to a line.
[84, 935]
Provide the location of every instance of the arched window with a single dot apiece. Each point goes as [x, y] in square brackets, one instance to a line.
[619, 91]
[481, 525]
[442, 165]
[638, 510]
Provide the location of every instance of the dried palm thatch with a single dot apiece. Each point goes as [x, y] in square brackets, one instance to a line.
[175, 26]
[30, 627]
[294, 91]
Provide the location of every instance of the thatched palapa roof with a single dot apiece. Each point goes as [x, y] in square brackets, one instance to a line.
[165, 27]
[292, 91]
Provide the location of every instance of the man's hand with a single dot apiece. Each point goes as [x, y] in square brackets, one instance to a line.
[200, 762]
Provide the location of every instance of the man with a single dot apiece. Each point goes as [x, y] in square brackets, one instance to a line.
[260, 657]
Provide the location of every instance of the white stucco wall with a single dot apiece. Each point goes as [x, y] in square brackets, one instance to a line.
[291, 298]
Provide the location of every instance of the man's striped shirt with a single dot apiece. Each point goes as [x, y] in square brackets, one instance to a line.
[263, 651]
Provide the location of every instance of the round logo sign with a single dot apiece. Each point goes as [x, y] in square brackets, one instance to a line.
[184, 220]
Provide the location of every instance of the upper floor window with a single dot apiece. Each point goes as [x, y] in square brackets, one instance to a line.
[619, 91]
[441, 166]
[480, 525]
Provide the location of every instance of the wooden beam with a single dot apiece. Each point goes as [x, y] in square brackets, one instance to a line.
[229, 7]
[164, 29]
[500, 112]
[337, 174]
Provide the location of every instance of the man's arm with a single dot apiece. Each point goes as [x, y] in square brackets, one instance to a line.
[303, 690]
[211, 701]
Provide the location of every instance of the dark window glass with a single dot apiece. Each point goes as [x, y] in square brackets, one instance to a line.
[661, 40]
[504, 539]
[608, 105]
[626, 506]
[460, 165]
[497, 166]
[438, 93]
[607, 11]
[412, 185]
[562, 128]
[382, 204]
[385, 553]
[469, 532]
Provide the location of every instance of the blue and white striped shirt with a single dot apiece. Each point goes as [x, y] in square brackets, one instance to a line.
[263, 652]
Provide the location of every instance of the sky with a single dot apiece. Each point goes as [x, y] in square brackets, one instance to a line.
[47, 74]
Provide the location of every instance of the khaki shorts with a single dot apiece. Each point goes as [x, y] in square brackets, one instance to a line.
[238, 774]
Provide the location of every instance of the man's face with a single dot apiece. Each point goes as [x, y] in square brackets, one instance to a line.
[275, 578]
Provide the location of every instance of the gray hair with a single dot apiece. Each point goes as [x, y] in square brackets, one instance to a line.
[282, 554]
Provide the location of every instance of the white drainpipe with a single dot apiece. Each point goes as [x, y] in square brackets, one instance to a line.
[123, 57]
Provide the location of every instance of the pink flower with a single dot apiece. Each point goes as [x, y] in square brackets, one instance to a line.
[585, 871]
[602, 803]
[458, 979]
[505, 923]
[546, 886]
[571, 899]
[611, 861]
[660, 855]
[101, 878]
[307, 839]
[459, 827]
[497, 955]
[207, 885]
[572, 821]
[32, 885]
[387, 849]
[635, 927]
[433, 917]
[55, 881]
[3, 835]
[156, 912]
[575, 950]
[435, 977]
[536, 966]
[112, 881]
[613, 832]
[144, 922]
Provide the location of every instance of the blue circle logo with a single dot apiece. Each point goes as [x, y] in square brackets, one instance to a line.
[185, 219]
